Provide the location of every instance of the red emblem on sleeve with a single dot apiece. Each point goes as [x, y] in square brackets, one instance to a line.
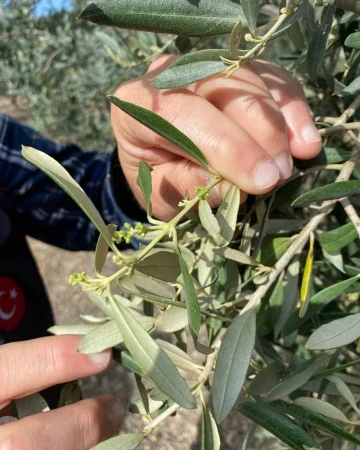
[12, 304]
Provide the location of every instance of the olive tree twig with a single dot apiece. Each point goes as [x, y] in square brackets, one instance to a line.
[326, 207]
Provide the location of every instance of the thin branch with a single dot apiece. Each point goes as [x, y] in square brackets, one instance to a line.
[337, 128]
[351, 212]
[301, 240]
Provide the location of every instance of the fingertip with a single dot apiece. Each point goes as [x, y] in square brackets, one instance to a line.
[304, 137]
[101, 359]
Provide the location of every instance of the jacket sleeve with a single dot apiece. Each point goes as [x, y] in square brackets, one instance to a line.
[46, 211]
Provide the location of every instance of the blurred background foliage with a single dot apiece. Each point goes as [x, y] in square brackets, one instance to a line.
[61, 69]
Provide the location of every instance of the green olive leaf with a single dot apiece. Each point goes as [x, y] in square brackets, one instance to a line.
[162, 127]
[122, 442]
[297, 378]
[314, 419]
[207, 218]
[329, 192]
[153, 360]
[232, 363]
[102, 249]
[353, 40]
[145, 184]
[322, 407]
[182, 17]
[171, 320]
[162, 264]
[210, 439]
[62, 177]
[334, 240]
[108, 335]
[251, 11]
[317, 48]
[337, 333]
[270, 418]
[227, 217]
[316, 303]
[192, 307]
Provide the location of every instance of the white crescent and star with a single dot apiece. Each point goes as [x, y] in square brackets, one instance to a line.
[13, 295]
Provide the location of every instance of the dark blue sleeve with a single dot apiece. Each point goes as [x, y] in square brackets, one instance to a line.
[46, 211]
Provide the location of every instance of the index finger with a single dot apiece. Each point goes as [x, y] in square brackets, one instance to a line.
[31, 366]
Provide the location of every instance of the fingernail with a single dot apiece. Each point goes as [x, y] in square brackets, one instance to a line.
[266, 175]
[117, 414]
[100, 359]
[285, 165]
[311, 134]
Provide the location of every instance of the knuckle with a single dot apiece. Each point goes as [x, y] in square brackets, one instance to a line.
[90, 420]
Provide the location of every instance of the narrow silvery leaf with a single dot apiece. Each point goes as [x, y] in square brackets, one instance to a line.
[102, 248]
[227, 216]
[153, 360]
[314, 419]
[318, 302]
[235, 255]
[337, 333]
[162, 127]
[31, 404]
[145, 184]
[122, 442]
[181, 359]
[143, 395]
[329, 192]
[290, 295]
[334, 240]
[146, 287]
[267, 379]
[353, 88]
[192, 307]
[237, 346]
[100, 302]
[210, 439]
[317, 48]
[137, 406]
[58, 330]
[291, 19]
[207, 218]
[181, 17]
[297, 378]
[62, 177]
[273, 250]
[336, 259]
[321, 407]
[171, 320]
[353, 40]
[270, 418]
[162, 264]
[191, 68]
[108, 335]
[94, 319]
[328, 155]
[344, 391]
[251, 11]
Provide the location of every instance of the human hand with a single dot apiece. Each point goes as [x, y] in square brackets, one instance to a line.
[31, 366]
[248, 127]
